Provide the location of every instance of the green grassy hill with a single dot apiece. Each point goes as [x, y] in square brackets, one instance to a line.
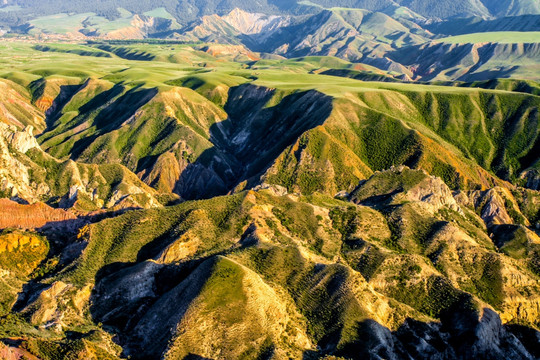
[501, 37]
[181, 128]
[232, 207]
[294, 275]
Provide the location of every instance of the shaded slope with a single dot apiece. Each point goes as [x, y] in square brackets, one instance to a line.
[469, 61]
[373, 131]
[476, 25]
[333, 273]
[200, 143]
[346, 33]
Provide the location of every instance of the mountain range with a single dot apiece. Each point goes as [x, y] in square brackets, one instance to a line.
[269, 180]
[186, 10]
[448, 46]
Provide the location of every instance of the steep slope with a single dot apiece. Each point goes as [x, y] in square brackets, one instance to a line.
[347, 33]
[193, 131]
[353, 140]
[260, 274]
[233, 28]
[200, 143]
[475, 25]
[470, 60]
[16, 108]
[20, 255]
[445, 9]
[512, 8]
[31, 175]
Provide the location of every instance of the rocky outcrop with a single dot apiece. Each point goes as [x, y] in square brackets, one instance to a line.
[532, 178]
[21, 141]
[402, 184]
[15, 179]
[495, 206]
[254, 23]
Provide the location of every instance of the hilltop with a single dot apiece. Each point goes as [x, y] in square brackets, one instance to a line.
[186, 199]
[496, 40]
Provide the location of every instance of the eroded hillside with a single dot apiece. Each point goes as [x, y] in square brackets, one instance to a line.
[175, 201]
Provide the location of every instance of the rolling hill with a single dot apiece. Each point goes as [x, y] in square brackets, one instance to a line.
[373, 33]
[234, 192]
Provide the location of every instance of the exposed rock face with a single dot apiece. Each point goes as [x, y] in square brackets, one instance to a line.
[24, 178]
[400, 184]
[21, 141]
[434, 192]
[483, 336]
[197, 293]
[228, 29]
[533, 179]
[14, 175]
[140, 27]
[250, 23]
[494, 212]
[14, 215]
[494, 206]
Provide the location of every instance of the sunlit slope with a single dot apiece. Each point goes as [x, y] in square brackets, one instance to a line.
[201, 132]
[434, 253]
[301, 275]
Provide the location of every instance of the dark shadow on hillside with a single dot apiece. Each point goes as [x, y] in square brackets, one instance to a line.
[360, 75]
[532, 156]
[463, 335]
[514, 126]
[64, 246]
[92, 105]
[195, 357]
[102, 98]
[487, 74]
[126, 291]
[66, 94]
[114, 115]
[175, 286]
[250, 140]
[37, 88]
[142, 303]
[127, 53]
[153, 248]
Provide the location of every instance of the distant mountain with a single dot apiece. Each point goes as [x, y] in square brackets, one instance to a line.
[477, 24]
[185, 11]
[445, 8]
[351, 34]
[392, 43]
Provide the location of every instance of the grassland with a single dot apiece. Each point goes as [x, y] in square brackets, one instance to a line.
[290, 269]
[174, 86]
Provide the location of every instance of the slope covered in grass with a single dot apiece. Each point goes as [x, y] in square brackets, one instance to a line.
[255, 273]
[194, 130]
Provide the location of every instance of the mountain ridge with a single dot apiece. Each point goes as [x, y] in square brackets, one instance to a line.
[229, 190]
